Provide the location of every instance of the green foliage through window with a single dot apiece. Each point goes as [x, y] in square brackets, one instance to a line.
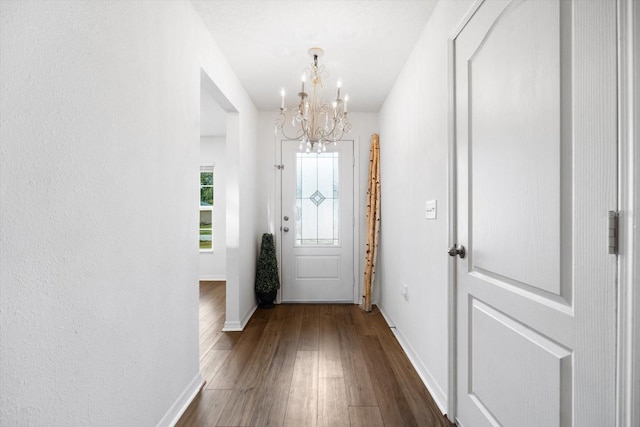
[206, 208]
[206, 188]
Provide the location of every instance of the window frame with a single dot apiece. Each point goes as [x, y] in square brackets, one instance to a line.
[209, 168]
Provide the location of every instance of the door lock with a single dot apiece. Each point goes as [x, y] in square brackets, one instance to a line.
[285, 229]
[286, 218]
[457, 250]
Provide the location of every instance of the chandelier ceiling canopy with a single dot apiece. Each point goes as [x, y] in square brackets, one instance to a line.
[314, 122]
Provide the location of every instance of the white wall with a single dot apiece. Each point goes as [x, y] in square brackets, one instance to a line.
[99, 259]
[413, 155]
[213, 265]
[364, 125]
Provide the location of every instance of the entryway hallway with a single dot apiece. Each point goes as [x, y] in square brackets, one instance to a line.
[305, 364]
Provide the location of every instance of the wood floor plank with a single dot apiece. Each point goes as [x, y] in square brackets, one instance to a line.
[240, 406]
[356, 374]
[273, 395]
[212, 336]
[280, 312]
[330, 356]
[212, 307]
[227, 340]
[211, 364]
[328, 309]
[302, 405]
[274, 392]
[309, 330]
[383, 331]
[393, 405]
[332, 403]
[360, 321]
[342, 314]
[422, 405]
[330, 364]
[211, 314]
[301, 364]
[229, 374]
[293, 323]
[210, 321]
[328, 335]
[205, 409]
[365, 416]
[212, 296]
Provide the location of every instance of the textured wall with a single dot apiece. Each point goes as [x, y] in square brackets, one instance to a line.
[99, 143]
[413, 156]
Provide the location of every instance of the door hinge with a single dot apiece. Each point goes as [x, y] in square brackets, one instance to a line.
[613, 232]
[279, 167]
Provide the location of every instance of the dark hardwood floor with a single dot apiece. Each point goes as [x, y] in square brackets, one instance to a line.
[305, 365]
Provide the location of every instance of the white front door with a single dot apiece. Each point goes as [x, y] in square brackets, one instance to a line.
[535, 138]
[317, 224]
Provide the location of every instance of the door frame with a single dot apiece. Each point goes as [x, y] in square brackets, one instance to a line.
[628, 366]
[356, 282]
[452, 224]
[628, 305]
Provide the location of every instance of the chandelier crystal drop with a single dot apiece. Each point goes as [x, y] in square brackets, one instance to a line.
[314, 122]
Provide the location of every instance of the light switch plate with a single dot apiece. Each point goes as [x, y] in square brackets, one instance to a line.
[431, 209]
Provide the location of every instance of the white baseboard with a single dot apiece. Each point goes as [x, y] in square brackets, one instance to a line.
[182, 402]
[234, 325]
[439, 396]
[213, 278]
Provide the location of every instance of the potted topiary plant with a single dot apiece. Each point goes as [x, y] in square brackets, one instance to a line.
[267, 280]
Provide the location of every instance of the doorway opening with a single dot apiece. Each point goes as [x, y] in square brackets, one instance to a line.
[212, 208]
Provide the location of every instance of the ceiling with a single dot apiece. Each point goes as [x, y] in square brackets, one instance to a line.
[365, 42]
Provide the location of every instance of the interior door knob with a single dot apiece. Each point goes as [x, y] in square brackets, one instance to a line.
[457, 250]
[285, 229]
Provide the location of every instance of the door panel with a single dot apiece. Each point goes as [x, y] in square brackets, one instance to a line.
[506, 82]
[535, 179]
[317, 224]
[318, 267]
[502, 344]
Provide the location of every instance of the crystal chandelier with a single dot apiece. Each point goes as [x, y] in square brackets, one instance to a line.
[315, 123]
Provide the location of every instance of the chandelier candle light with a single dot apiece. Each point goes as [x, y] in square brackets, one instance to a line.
[314, 122]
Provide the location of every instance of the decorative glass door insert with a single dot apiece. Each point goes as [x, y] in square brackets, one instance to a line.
[317, 199]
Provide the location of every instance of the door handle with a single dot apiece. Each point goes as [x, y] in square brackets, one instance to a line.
[285, 229]
[457, 250]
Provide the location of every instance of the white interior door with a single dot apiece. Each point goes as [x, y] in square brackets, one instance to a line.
[317, 224]
[535, 122]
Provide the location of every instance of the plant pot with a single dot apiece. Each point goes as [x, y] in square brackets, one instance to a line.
[266, 299]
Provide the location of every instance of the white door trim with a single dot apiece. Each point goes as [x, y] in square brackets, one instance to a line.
[628, 365]
[277, 202]
[357, 284]
[452, 294]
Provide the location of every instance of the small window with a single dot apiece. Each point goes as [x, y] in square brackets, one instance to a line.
[317, 199]
[206, 208]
